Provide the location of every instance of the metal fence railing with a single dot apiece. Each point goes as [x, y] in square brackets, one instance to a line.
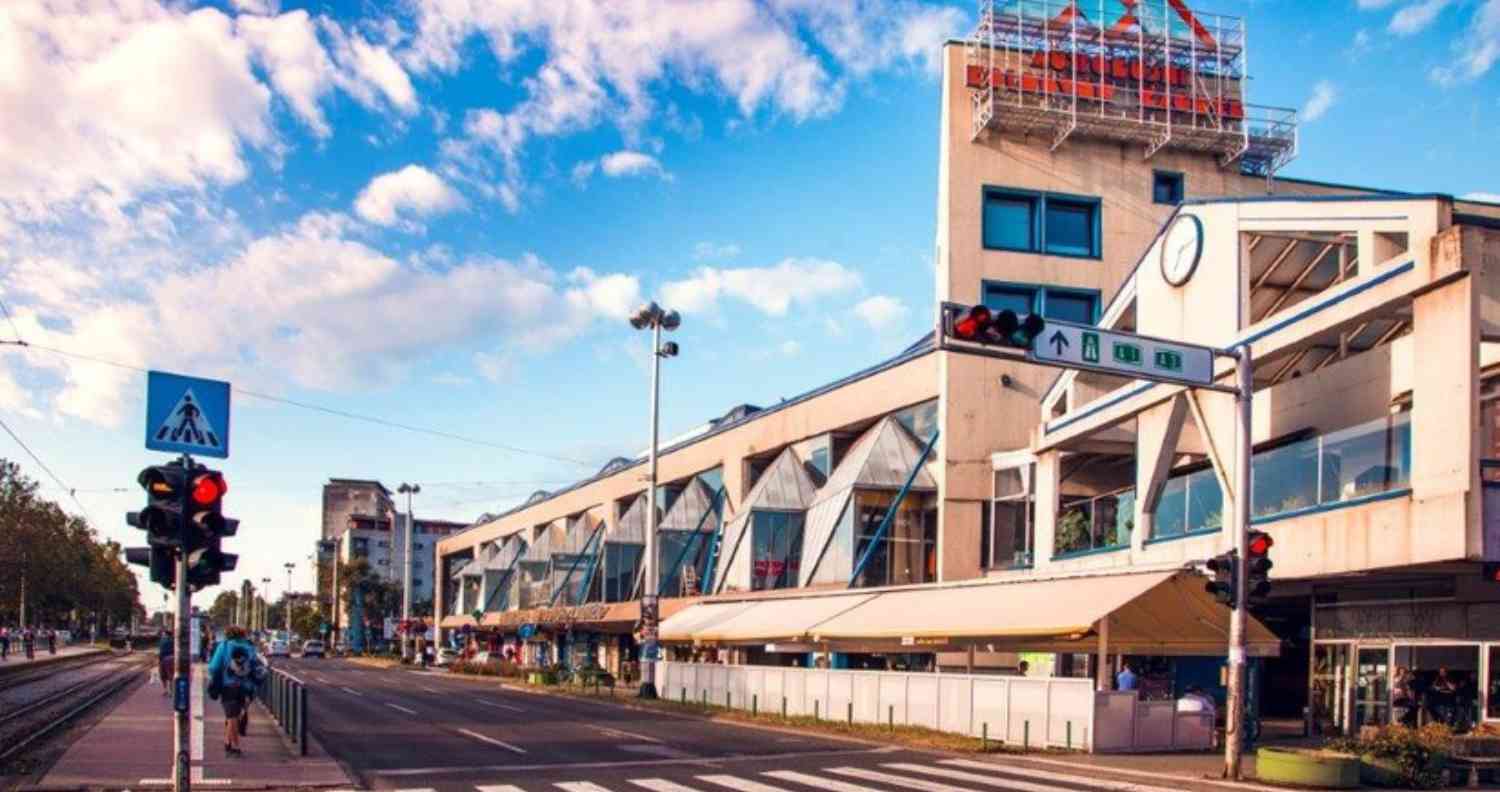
[285, 696]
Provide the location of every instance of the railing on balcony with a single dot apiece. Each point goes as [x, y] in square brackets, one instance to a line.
[1362, 462]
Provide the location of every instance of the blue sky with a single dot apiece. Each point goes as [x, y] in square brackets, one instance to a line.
[439, 214]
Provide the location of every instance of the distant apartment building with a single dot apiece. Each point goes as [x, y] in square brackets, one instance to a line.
[344, 499]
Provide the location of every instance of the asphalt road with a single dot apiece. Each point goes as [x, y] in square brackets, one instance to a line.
[431, 731]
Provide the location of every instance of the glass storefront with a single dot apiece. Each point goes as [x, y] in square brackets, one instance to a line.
[1374, 683]
[908, 553]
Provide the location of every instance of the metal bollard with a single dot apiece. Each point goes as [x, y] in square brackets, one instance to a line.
[755, 704]
[851, 713]
[1068, 736]
[302, 720]
[890, 717]
[816, 715]
[684, 696]
[783, 707]
[1026, 736]
[984, 737]
[727, 700]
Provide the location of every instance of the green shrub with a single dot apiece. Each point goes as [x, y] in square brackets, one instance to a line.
[1418, 755]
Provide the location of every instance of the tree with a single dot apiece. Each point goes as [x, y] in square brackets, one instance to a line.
[226, 608]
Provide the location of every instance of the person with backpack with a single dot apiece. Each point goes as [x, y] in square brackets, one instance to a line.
[233, 674]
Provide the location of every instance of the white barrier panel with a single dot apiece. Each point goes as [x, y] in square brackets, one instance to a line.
[1041, 712]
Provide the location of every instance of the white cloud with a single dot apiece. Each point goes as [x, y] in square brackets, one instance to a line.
[1415, 18]
[1483, 197]
[1368, 5]
[1323, 97]
[582, 171]
[299, 67]
[311, 308]
[772, 290]
[411, 191]
[264, 7]
[791, 348]
[709, 251]
[1477, 51]
[631, 163]
[601, 62]
[881, 312]
[370, 69]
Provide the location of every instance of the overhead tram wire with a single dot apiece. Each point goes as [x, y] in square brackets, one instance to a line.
[43, 465]
[353, 416]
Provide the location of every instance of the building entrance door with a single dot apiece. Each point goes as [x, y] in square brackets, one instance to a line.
[1330, 686]
[1372, 688]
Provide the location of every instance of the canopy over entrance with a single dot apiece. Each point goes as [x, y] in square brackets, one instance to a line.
[1157, 613]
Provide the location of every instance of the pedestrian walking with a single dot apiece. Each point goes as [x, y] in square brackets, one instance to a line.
[28, 643]
[4, 643]
[166, 667]
[234, 673]
[51, 641]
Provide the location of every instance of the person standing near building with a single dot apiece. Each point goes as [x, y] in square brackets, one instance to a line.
[4, 643]
[1125, 680]
[51, 641]
[28, 643]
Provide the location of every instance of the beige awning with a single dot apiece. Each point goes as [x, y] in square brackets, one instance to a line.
[1163, 613]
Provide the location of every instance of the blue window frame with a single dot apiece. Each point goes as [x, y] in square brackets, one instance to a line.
[1037, 222]
[1167, 187]
[1053, 302]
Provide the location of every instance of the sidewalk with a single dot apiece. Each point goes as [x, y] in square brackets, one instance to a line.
[132, 746]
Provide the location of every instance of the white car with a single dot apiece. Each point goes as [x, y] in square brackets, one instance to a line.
[313, 649]
[445, 657]
[278, 649]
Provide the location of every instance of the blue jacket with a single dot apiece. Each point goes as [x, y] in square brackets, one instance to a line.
[166, 646]
[218, 666]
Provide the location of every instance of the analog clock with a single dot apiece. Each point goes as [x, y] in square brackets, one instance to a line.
[1181, 247]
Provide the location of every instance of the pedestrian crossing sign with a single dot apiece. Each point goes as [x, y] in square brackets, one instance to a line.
[187, 414]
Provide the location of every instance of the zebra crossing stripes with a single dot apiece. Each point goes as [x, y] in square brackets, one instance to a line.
[580, 786]
[661, 785]
[740, 784]
[498, 788]
[905, 782]
[830, 784]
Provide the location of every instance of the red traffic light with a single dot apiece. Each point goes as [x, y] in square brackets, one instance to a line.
[973, 323]
[1259, 543]
[208, 488]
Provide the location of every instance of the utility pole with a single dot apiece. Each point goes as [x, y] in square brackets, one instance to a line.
[653, 316]
[1234, 726]
[265, 605]
[406, 536]
[286, 599]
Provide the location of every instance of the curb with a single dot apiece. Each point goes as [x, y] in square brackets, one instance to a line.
[6, 669]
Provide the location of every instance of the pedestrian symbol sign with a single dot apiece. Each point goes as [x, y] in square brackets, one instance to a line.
[187, 414]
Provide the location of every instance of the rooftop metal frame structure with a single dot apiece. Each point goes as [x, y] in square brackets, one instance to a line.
[1160, 75]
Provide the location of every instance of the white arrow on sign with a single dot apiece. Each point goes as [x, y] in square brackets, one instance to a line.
[1124, 354]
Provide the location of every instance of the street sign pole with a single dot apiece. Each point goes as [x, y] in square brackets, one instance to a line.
[1234, 729]
[182, 659]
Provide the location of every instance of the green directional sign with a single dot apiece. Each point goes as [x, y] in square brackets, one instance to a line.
[1167, 360]
[1127, 353]
[1090, 347]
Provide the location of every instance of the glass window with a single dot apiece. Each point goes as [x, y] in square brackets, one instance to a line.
[620, 562]
[1009, 221]
[907, 552]
[819, 459]
[1070, 306]
[1348, 464]
[1166, 187]
[1070, 225]
[1190, 503]
[776, 549]
[1019, 299]
[1008, 539]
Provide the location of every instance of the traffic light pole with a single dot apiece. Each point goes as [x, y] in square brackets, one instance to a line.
[1234, 725]
[182, 659]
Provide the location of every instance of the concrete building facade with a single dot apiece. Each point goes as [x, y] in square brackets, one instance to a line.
[886, 519]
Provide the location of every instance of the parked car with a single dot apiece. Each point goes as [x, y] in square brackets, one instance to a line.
[313, 648]
[278, 649]
[445, 657]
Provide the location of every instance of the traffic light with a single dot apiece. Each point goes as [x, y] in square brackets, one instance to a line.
[206, 526]
[1491, 572]
[162, 517]
[1258, 564]
[980, 325]
[157, 558]
[1225, 568]
[205, 566]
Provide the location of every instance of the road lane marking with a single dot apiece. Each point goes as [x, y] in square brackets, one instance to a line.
[697, 761]
[489, 703]
[902, 781]
[742, 784]
[401, 708]
[492, 741]
[661, 785]
[498, 788]
[352, 692]
[429, 690]
[624, 734]
[818, 782]
[581, 786]
[1099, 783]
[1003, 782]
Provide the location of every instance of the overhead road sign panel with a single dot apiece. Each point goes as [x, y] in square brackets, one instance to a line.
[1122, 354]
[187, 414]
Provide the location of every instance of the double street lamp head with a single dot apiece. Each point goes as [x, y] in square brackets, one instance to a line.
[652, 315]
[409, 489]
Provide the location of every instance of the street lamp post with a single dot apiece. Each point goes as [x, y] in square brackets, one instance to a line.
[287, 598]
[265, 604]
[655, 317]
[408, 490]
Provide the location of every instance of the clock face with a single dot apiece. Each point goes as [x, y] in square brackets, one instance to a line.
[1181, 248]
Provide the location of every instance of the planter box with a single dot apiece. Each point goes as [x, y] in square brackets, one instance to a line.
[1307, 768]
